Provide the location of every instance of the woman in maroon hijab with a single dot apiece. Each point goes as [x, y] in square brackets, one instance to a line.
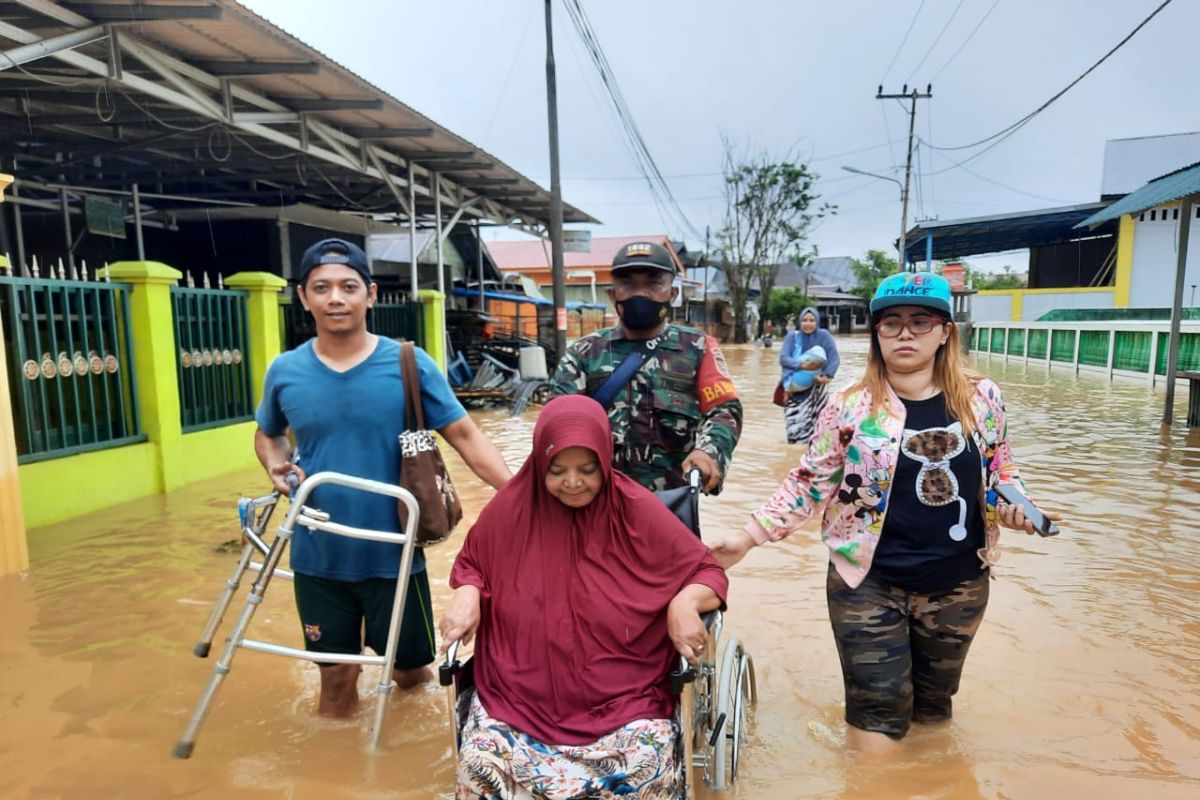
[583, 587]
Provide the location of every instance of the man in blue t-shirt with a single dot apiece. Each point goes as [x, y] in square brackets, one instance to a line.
[342, 398]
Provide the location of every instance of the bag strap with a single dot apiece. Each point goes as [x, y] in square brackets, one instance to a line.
[414, 415]
[622, 375]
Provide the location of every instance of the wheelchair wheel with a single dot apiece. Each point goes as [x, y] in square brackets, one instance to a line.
[745, 697]
[734, 692]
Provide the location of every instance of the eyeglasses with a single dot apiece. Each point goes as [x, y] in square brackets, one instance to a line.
[890, 328]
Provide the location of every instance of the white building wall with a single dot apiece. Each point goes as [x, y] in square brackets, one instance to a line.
[1129, 164]
[1156, 234]
[991, 308]
[1035, 305]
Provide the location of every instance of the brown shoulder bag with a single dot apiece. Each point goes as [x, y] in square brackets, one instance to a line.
[422, 471]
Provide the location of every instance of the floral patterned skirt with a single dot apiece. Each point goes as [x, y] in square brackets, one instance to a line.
[497, 762]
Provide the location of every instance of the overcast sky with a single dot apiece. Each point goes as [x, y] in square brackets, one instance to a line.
[783, 75]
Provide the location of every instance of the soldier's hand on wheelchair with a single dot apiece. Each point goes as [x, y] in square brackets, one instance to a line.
[686, 628]
[710, 473]
[731, 549]
[461, 618]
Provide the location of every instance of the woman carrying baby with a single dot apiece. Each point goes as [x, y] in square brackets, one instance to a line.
[809, 360]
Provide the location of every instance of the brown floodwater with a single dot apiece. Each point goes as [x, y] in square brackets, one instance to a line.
[1082, 680]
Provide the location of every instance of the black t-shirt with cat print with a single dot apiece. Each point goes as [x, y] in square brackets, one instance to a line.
[934, 526]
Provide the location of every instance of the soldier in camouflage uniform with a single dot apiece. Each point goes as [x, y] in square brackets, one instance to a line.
[680, 410]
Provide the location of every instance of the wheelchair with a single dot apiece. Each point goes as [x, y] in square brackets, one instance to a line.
[716, 695]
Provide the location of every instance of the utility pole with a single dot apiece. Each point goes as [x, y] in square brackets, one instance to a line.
[1185, 229]
[914, 96]
[556, 210]
[707, 267]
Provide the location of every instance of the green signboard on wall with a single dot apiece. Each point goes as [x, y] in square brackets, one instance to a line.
[104, 217]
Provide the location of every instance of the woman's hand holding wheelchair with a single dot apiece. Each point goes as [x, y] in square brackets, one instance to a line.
[461, 618]
[684, 623]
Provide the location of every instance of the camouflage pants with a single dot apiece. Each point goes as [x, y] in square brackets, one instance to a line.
[902, 652]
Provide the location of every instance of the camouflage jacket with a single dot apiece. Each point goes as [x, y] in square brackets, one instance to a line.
[682, 399]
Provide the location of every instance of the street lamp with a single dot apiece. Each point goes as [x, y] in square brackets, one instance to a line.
[903, 213]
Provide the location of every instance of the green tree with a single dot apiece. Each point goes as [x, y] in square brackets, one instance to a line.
[785, 303]
[871, 271]
[979, 279]
[770, 207]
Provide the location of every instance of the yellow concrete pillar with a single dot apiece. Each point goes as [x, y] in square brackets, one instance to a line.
[433, 323]
[14, 551]
[263, 311]
[155, 358]
[1018, 305]
[1123, 281]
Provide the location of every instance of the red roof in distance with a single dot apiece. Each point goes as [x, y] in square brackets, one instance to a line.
[533, 255]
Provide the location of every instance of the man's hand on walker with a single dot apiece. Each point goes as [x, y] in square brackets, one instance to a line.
[278, 474]
[731, 549]
[710, 474]
[461, 618]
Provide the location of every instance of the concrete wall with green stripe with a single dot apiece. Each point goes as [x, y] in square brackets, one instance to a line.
[1132, 349]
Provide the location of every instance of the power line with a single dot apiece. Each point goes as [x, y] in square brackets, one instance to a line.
[903, 41]
[994, 182]
[936, 39]
[974, 30]
[644, 160]
[1005, 132]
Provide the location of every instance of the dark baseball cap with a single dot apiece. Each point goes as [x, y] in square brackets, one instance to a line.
[334, 251]
[644, 255]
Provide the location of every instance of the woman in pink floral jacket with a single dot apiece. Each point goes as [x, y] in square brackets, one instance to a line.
[904, 465]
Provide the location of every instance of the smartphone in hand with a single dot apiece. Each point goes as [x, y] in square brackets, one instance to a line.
[1043, 525]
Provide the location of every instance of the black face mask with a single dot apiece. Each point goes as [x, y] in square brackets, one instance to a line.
[640, 313]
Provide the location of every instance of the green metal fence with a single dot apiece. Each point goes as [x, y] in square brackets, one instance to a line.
[1093, 348]
[70, 366]
[997, 340]
[214, 374]
[396, 320]
[1131, 350]
[393, 316]
[1016, 342]
[1189, 353]
[1037, 343]
[1062, 346]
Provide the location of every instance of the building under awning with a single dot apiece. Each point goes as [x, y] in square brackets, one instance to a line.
[171, 110]
[1059, 254]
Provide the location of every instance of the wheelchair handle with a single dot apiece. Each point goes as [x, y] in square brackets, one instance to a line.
[695, 479]
[682, 676]
[451, 666]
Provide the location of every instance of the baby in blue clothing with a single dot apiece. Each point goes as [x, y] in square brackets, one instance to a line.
[802, 379]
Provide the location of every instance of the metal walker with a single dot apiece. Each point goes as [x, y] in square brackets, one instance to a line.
[255, 514]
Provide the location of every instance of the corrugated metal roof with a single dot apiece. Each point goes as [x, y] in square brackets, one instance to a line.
[998, 232]
[1130, 163]
[1170, 187]
[57, 109]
